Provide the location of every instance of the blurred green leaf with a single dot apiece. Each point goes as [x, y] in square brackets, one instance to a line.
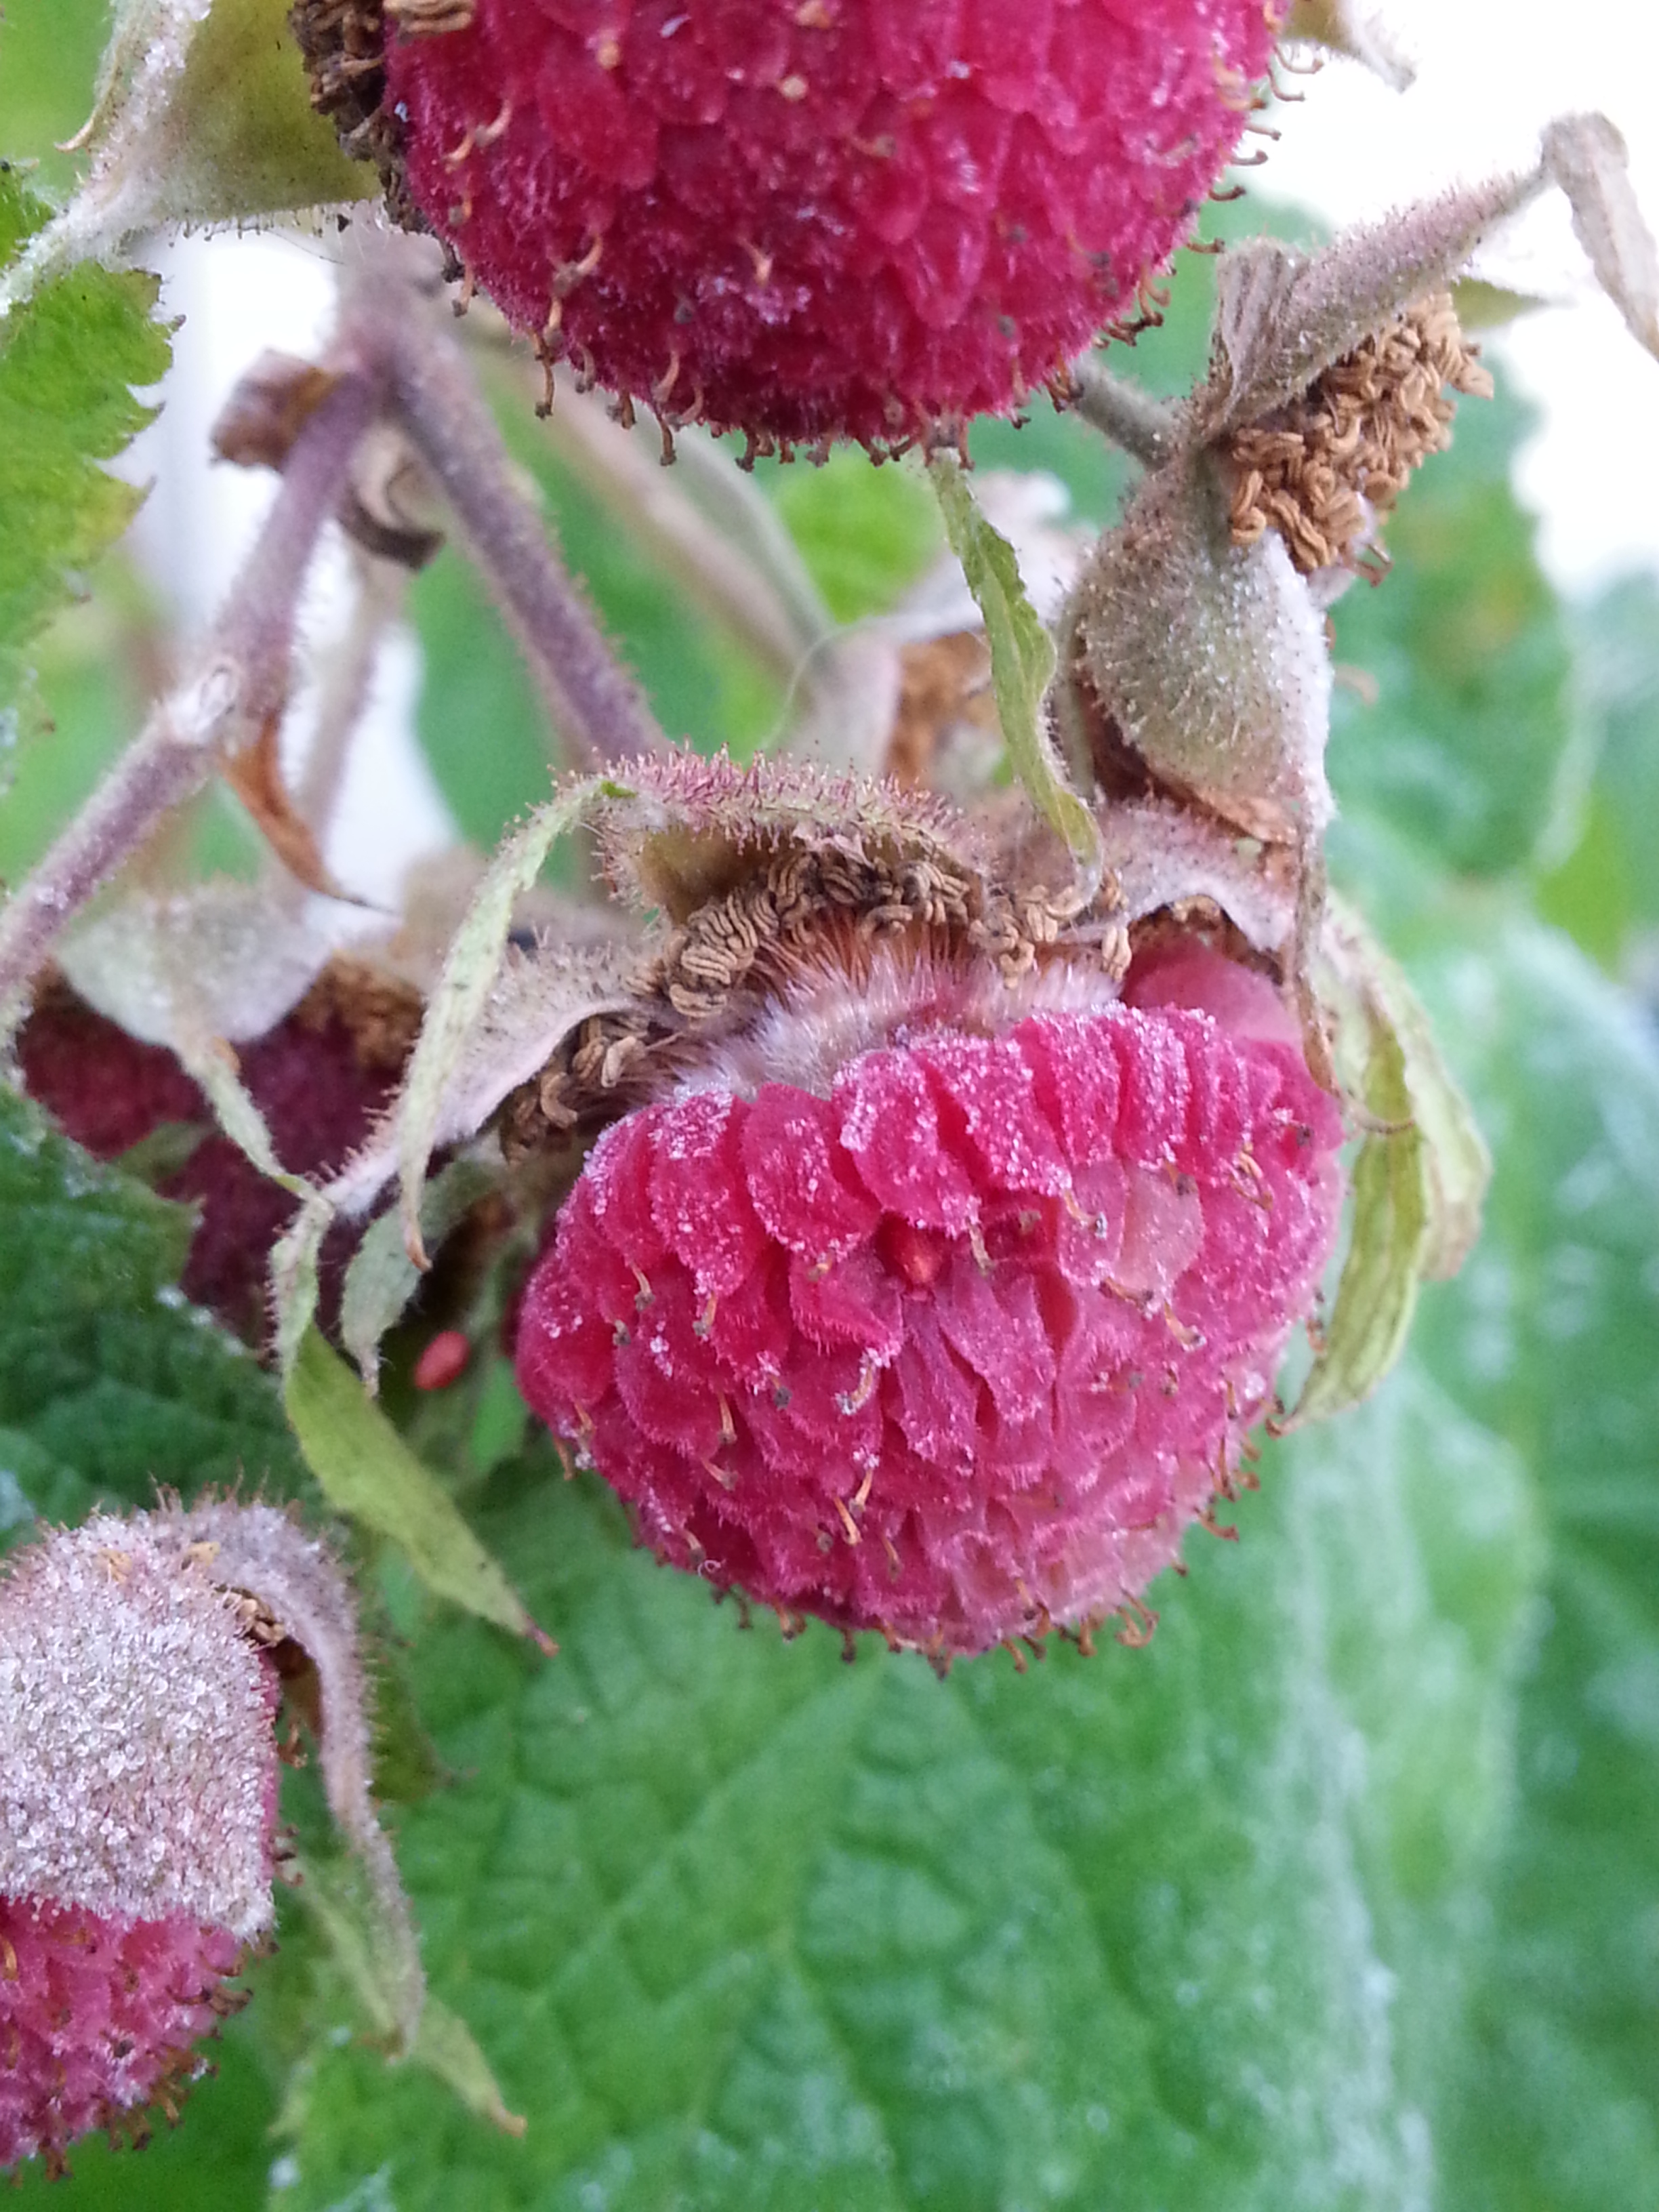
[1606, 890]
[49, 52]
[68, 360]
[1469, 654]
[865, 531]
[738, 1926]
[1551, 1338]
[80, 712]
[110, 1383]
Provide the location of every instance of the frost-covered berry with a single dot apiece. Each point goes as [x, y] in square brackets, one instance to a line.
[137, 1807]
[950, 1336]
[138, 1793]
[812, 218]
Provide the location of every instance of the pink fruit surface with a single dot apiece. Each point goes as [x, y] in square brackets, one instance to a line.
[956, 1350]
[811, 218]
[98, 2017]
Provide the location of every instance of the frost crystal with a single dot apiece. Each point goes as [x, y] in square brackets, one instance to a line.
[137, 1772]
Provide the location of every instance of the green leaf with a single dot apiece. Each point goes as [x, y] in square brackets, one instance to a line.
[110, 1383]
[1468, 652]
[865, 532]
[444, 2046]
[1605, 888]
[48, 62]
[69, 359]
[249, 140]
[1022, 666]
[1550, 1337]
[472, 967]
[1418, 1182]
[738, 1926]
[366, 1471]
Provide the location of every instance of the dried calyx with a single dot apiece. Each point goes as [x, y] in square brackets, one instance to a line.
[140, 1665]
[769, 882]
[1196, 669]
[1323, 469]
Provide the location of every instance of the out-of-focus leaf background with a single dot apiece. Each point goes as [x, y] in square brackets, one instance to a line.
[1344, 1893]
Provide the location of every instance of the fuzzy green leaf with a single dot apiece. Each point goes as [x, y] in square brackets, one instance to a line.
[382, 1279]
[69, 359]
[739, 1926]
[444, 2045]
[1418, 1180]
[368, 1472]
[470, 970]
[1022, 666]
[110, 1383]
[1549, 1337]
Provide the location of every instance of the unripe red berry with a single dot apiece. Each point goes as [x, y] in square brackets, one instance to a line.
[319, 1080]
[951, 1338]
[855, 218]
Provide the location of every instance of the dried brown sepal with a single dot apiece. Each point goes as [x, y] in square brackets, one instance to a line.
[271, 404]
[343, 43]
[543, 1001]
[808, 911]
[691, 830]
[380, 1011]
[944, 687]
[1320, 469]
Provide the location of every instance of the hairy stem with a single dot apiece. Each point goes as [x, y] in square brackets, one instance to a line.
[595, 705]
[237, 686]
[1143, 426]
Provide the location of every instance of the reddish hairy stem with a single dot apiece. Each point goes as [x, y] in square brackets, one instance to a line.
[595, 705]
[237, 684]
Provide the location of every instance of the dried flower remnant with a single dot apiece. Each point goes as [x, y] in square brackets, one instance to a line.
[138, 1791]
[1321, 470]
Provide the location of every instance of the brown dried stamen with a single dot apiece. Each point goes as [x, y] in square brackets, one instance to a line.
[1320, 469]
[343, 46]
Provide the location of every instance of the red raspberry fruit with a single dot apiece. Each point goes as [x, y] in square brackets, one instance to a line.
[816, 218]
[955, 1344]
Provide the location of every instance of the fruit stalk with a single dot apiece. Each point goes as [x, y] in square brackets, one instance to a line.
[594, 704]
